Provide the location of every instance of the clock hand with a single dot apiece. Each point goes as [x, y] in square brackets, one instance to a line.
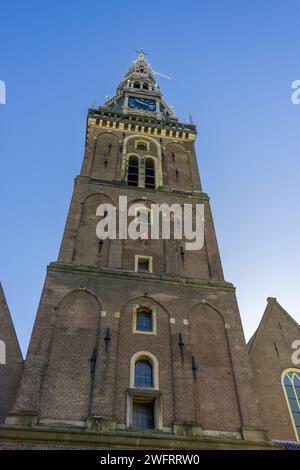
[141, 102]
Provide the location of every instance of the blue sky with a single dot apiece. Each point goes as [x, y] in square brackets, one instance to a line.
[232, 64]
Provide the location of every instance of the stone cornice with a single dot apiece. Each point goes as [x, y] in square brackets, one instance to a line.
[150, 125]
[37, 435]
[199, 195]
[161, 278]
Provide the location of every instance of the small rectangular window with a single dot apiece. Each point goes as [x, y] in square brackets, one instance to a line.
[143, 265]
[143, 415]
[141, 145]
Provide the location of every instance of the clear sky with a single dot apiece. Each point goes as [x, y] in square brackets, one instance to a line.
[232, 64]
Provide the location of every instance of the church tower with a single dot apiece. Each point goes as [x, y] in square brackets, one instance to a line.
[138, 338]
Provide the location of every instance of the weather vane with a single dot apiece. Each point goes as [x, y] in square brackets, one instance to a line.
[141, 54]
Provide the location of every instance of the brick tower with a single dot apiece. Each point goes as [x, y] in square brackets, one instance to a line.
[136, 339]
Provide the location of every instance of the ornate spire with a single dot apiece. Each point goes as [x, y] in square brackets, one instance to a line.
[141, 69]
[138, 93]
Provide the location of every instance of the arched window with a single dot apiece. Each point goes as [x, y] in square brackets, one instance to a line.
[133, 171]
[144, 408]
[143, 375]
[145, 86]
[291, 386]
[136, 85]
[150, 173]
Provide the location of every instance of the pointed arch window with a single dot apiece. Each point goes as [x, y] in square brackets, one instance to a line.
[291, 386]
[150, 173]
[133, 171]
[143, 374]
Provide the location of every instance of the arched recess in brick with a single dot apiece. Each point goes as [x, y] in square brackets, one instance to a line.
[67, 384]
[105, 156]
[131, 141]
[180, 259]
[159, 344]
[217, 401]
[143, 247]
[88, 248]
[178, 166]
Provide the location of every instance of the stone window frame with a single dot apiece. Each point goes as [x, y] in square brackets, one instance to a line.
[143, 257]
[148, 394]
[145, 158]
[144, 142]
[147, 356]
[152, 396]
[157, 157]
[141, 169]
[153, 308]
[140, 406]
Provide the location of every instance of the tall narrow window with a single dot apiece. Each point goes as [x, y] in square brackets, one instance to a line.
[144, 407]
[291, 385]
[133, 171]
[149, 173]
[143, 376]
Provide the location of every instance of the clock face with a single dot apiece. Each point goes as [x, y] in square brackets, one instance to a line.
[141, 103]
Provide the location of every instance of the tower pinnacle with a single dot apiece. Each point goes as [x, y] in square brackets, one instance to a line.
[139, 93]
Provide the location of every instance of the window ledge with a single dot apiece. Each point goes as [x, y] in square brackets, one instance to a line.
[150, 333]
[145, 392]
